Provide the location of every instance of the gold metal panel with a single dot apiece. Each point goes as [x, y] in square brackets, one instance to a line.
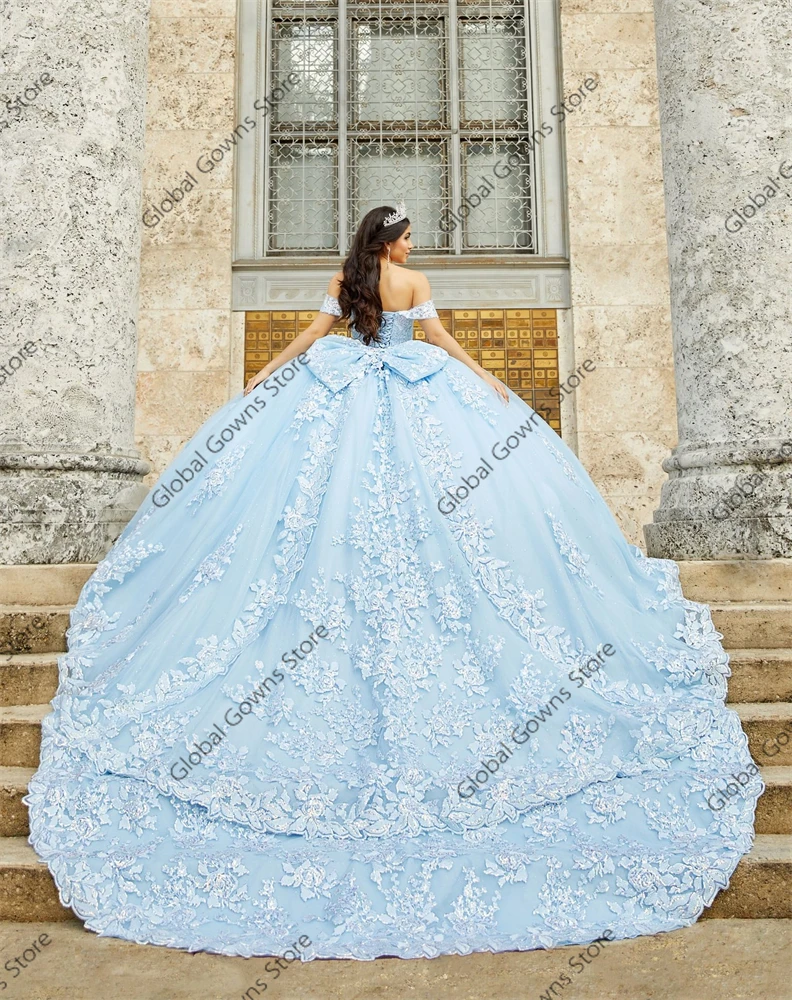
[519, 346]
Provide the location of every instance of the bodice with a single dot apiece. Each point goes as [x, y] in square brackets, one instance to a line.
[395, 327]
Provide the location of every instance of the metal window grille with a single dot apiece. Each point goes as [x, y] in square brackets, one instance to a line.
[419, 100]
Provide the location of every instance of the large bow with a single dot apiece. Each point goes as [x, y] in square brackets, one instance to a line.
[336, 361]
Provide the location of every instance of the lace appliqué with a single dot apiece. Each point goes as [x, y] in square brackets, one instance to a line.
[212, 568]
[151, 750]
[707, 657]
[216, 482]
[574, 558]
[330, 305]
[387, 860]
[426, 310]
[474, 393]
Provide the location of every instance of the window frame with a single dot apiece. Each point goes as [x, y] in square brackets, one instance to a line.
[548, 176]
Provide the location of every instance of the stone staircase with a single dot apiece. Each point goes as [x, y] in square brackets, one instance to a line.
[752, 607]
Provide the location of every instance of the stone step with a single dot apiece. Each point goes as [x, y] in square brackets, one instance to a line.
[769, 730]
[28, 678]
[20, 735]
[754, 626]
[55, 584]
[718, 581]
[33, 628]
[14, 783]
[759, 675]
[761, 887]
[27, 891]
[773, 810]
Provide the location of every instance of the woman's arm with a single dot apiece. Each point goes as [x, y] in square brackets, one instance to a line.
[437, 334]
[319, 327]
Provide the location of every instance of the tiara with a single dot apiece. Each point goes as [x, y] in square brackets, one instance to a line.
[397, 216]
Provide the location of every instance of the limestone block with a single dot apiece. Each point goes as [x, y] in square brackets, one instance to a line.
[193, 340]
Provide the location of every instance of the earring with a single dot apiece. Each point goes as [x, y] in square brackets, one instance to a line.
[388, 261]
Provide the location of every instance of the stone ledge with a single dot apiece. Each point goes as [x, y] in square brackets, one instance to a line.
[761, 885]
[32, 678]
[754, 626]
[757, 675]
[33, 629]
[743, 580]
[763, 724]
[44, 584]
[20, 735]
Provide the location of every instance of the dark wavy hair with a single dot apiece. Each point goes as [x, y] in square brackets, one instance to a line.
[359, 297]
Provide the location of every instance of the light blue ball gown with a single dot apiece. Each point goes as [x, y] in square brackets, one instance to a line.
[453, 709]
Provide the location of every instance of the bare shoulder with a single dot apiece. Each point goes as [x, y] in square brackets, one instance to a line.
[334, 286]
[421, 287]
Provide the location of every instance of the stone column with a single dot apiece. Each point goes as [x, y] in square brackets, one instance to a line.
[71, 140]
[723, 71]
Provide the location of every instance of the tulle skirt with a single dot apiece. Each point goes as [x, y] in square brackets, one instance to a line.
[374, 666]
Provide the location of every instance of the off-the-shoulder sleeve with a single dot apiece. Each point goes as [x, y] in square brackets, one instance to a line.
[426, 310]
[330, 305]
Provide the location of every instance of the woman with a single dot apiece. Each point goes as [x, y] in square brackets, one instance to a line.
[374, 668]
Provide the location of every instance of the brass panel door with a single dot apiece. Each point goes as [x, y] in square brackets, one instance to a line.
[519, 346]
